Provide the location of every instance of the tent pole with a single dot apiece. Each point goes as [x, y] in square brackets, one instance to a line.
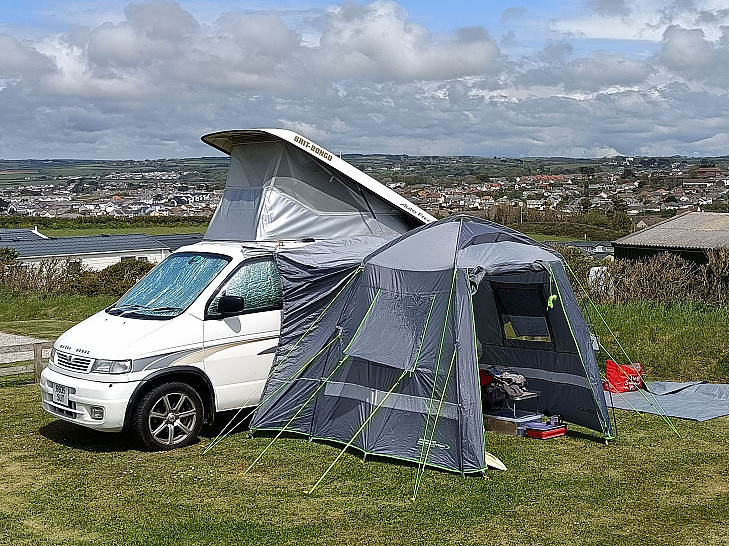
[321, 384]
[361, 428]
[417, 357]
[419, 477]
[603, 424]
[437, 367]
[346, 284]
[293, 418]
[655, 401]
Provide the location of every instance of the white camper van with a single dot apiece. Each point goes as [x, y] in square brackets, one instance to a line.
[198, 334]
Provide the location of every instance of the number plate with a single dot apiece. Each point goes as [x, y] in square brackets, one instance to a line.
[60, 394]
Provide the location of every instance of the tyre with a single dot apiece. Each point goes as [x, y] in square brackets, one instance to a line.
[168, 416]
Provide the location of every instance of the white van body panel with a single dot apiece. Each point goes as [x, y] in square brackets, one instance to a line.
[235, 353]
[239, 352]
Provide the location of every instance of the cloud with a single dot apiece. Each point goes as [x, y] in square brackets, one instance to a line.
[603, 70]
[513, 13]
[378, 41]
[20, 60]
[369, 78]
[610, 8]
[687, 51]
[555, 52]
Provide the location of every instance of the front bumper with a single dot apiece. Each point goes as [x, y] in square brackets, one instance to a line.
[85, 394]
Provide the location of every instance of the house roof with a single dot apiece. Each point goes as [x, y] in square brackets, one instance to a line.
[177, 240]
[700, 230]
[18, 234]
[85, 244]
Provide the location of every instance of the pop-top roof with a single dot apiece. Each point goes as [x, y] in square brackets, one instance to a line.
[283, 186]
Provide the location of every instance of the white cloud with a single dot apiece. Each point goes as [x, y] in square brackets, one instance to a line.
[378, 41]
[368, 78]
[687, 50]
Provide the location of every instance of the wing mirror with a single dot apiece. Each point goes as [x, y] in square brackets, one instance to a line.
[230, 305]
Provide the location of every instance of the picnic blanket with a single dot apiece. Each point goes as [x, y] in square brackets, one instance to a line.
[698, 400]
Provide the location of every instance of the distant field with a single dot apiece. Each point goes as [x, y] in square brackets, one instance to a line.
[541, 237]
[149, 230]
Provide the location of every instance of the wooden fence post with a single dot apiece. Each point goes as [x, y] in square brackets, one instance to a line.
[38, 360]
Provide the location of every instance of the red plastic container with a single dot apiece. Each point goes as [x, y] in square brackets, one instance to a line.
[543, 434]
[623, 377]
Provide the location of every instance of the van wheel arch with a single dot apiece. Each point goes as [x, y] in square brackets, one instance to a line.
[194, 377]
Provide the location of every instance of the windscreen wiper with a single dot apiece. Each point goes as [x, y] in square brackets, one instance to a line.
[142, 309]
[123, 308]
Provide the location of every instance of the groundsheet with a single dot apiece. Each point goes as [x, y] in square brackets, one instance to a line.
[698, 401]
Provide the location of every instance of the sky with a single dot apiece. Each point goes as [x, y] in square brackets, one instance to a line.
[113, 79]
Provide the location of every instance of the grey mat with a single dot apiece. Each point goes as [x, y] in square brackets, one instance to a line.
[698, 401]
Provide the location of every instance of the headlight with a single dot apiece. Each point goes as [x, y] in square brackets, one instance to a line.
[111, 366]
[52, 358]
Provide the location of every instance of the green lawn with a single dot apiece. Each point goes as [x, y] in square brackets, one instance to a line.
[149, 230]
[61, 484]
[46, 316]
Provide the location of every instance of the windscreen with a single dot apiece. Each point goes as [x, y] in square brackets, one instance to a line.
[171, 287]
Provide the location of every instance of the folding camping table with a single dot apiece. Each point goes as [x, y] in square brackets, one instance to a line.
[527, 395]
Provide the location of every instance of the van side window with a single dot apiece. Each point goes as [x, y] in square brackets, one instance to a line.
[257, 282]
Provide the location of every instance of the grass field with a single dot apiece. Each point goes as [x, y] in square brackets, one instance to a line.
[61, 484]
[149, 230]
[46, 316]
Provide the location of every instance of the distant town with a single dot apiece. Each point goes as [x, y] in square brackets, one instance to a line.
[441, 185]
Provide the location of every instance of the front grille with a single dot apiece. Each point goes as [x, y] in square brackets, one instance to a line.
[73, 362]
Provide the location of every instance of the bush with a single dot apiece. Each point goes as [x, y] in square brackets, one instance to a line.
[115, 280]
[664, 278]
[68, 276]
[48, 276]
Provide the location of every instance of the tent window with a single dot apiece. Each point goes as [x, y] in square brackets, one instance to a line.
[523, 313]
[392, 333]
[257, 282]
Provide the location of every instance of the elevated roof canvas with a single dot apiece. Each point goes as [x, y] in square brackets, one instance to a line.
[282, 186]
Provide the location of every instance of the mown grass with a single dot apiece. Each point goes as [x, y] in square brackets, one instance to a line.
[45, 316]
[149, 230]
[61, 484]
[680, 341]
